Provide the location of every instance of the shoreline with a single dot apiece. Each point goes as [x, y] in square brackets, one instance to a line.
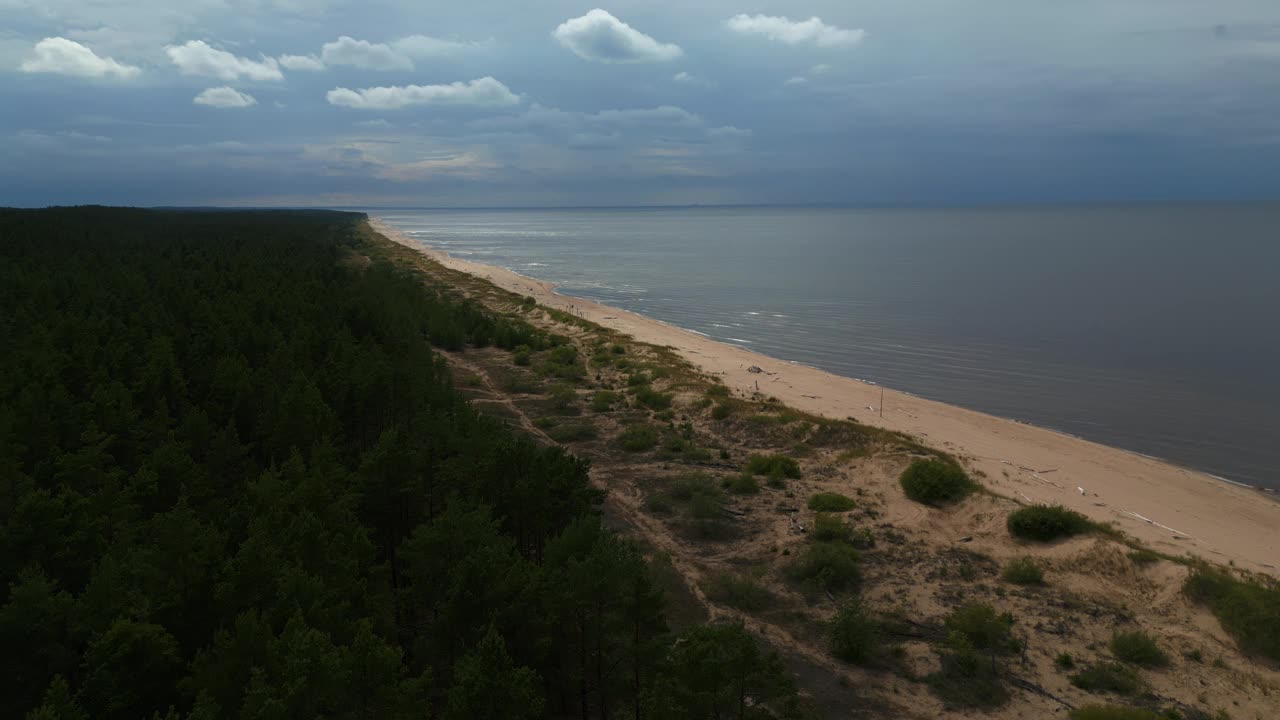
[1172, 508]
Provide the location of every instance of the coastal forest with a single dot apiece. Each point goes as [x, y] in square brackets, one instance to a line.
[236, 481]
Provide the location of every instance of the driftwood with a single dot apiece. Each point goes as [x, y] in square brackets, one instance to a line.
[1036, 689]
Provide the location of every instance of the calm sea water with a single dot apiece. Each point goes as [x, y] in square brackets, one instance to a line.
[1155, 329]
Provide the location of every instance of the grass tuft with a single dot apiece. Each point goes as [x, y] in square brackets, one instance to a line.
[773, 466]
[1247, 609]
[638, 438]
[827, 567]
[831, 502]
[936, 483]
[1139, 648]
[1024, 571]
[1046, 523]
[1108, 677]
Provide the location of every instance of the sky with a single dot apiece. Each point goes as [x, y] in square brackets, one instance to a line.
[553, 103]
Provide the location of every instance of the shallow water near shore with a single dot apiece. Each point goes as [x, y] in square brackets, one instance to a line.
[1151, 328]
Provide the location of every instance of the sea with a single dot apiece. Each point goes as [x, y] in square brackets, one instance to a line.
[1155, 329]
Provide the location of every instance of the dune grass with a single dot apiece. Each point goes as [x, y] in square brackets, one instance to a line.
[1249, 609]
[936, 483]
[831, 502]
[1046, 523]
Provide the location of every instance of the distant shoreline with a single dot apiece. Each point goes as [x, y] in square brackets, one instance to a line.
[1173, 508]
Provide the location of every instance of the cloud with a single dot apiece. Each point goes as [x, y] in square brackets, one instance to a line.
[729, 132]
[301, 62]
[795, 32]
[685, 78]
[364, 54]
[396, 55]
[68, 57]
[420, 47]
[669, 115]
[224, 97]
[484, 92]
[196, 57]
[602, 37]
[804, 77]
[609, 127]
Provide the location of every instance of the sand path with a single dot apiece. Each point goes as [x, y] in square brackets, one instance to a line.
[1171, 508]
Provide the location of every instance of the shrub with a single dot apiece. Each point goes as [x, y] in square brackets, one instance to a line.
[982, 628]
[1139, 648]
[1246, 608]
[744, 484]
[738, 591]
[652, 399]
[829, 528]
[967, 680]
[637, 379]
[830, 502]
[936, 483]
[563, 399]
[707, 518]
[572, 432]
[718, 391]
[1108, 677]
[1113, 712]
[604, 400]
[521, 355]
[853, 636]
[1064, 661]
[659, 504]
[619, 350]
[520, 382]
[830, 567]
[1024, 571]
[1142, 558]
[720, 412]
[1045, 523]
[638, 438]
[696, 484]
[562, 362]
[563, 355]
[773, 466]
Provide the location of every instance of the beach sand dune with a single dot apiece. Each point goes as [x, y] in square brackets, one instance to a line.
[1172, 509]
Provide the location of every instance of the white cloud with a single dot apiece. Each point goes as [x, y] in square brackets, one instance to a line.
[420, 47]
[729, 132]
[364, 54]
[396, 55]
[685, 78]
[602, 37]
[805, 77]
[662, 115]
[224, 97]
[300, 62]
[196, 57]
[608, 127]
[795, 32]
[484, 92]
[68, 57]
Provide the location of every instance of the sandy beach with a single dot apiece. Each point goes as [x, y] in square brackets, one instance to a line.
[1173, 509]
